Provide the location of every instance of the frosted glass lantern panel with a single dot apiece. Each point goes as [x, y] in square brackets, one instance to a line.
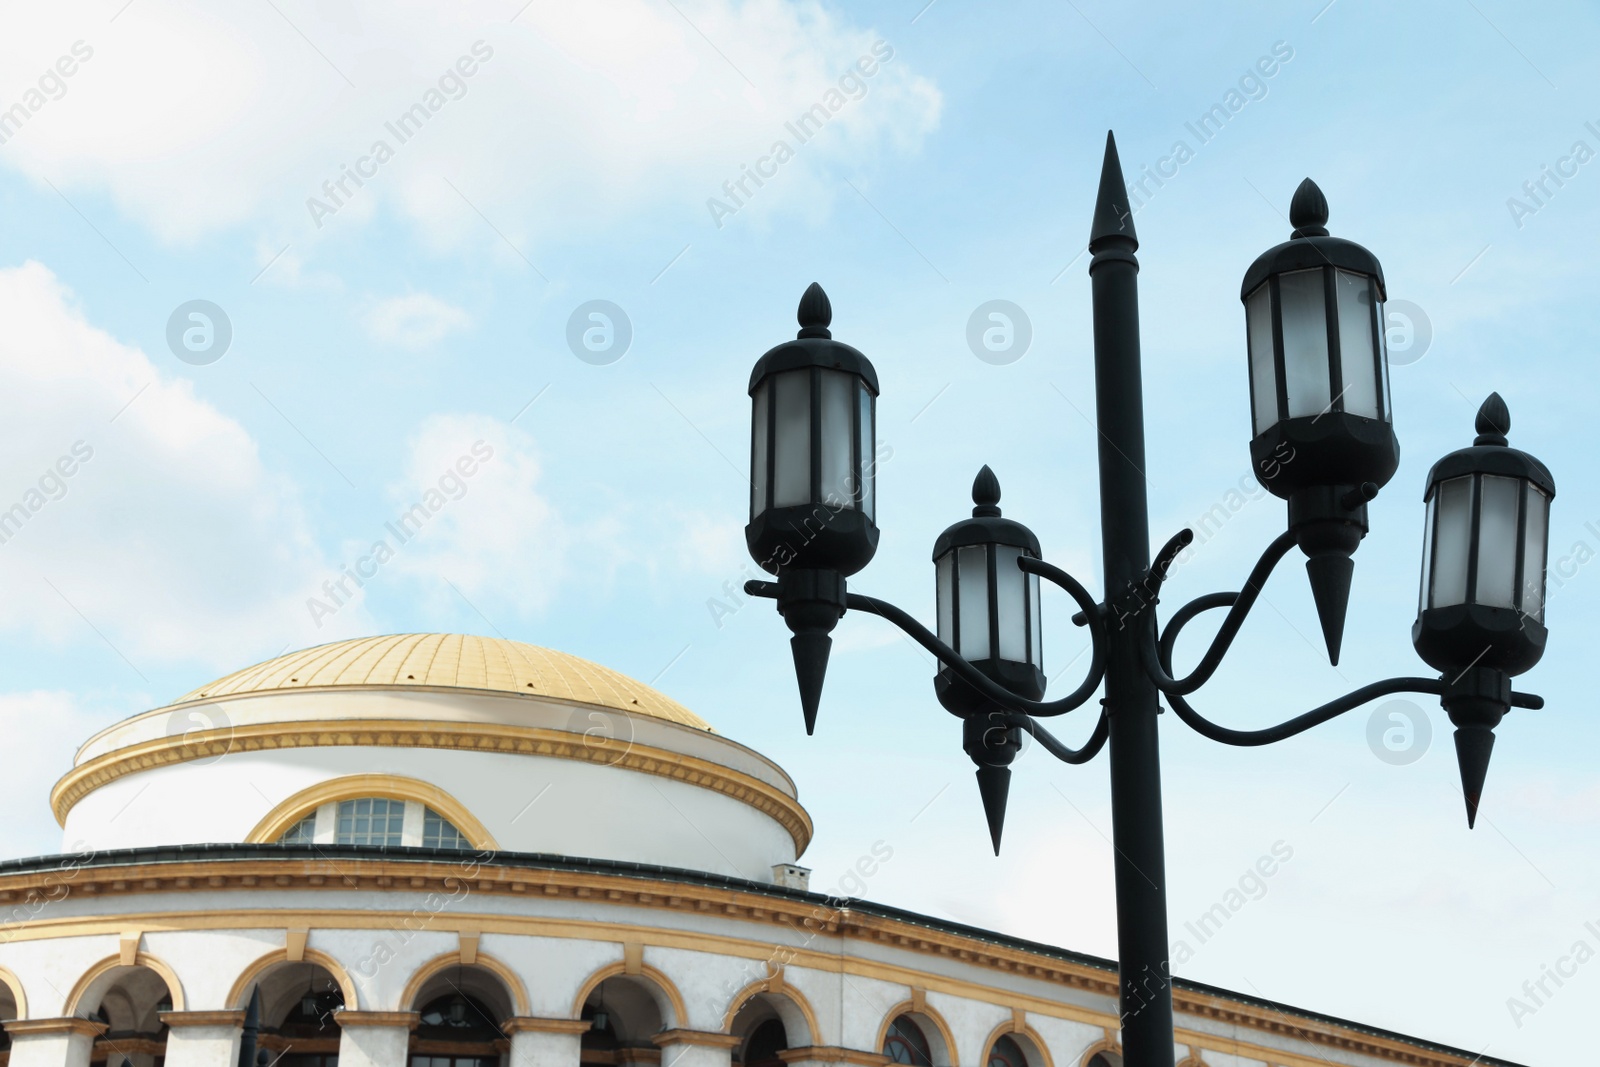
[1452, 539]
[1263, 375]
[1305, 341]
[792, 439]
[1357, 358]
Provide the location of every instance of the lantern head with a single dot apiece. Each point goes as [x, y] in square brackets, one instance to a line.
[989, 613]
[988, 605]
[1480, 620]
[813, 495]
[1323, 436]
[1483, 555]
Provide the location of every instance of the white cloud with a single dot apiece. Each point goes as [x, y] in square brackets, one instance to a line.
[130, 505]
[415, 320]
[491, 532]
[498, 536]
[573, 114]
[48, 725]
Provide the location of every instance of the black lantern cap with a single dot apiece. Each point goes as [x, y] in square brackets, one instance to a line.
[986, 527]
[1490, 454]
[814, 346]
[1310, 245]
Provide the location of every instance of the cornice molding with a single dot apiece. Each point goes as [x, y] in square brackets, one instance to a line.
[461, 736]
[69, 1025]
[705, 1038]
[790, 915]
[518, 1024]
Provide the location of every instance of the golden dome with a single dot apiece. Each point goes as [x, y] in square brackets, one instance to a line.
[451, 661]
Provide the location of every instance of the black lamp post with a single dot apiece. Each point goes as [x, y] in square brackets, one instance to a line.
[1323, 441]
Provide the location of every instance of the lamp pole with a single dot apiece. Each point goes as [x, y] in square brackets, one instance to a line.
[1323, 441]
[1131, 700]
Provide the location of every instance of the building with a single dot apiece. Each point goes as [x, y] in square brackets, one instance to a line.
[431, 850]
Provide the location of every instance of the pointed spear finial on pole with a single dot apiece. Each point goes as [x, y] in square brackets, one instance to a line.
[1113, 217]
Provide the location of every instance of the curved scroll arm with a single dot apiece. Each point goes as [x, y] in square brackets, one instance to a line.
[1062, 752]
[1300, 723]
[976, 678]
[966, 671]
[1158, 662]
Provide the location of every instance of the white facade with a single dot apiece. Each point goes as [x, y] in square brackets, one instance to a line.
[626, 897]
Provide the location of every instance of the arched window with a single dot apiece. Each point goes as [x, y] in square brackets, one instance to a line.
[906, 1043]
[303, 832]
[1005, 1052]
[371, 821]
[440, 832]
[376, 821]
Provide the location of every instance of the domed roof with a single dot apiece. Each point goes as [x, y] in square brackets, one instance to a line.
[451, 661]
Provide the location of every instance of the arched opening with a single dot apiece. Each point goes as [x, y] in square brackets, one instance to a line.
[906, 1041]
[624, 1013]
[8, 1013]
[299, 1021]
[1006, 1052]
[767, 1024]
[1105, 1058]
[460, 1010]
[129, 1000]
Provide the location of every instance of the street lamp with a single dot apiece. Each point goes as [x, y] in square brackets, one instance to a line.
[813, 491]
[1323, 441]
[1319, 394]
[1480, 618]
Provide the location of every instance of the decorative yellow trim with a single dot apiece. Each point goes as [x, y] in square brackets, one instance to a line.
[202, 1018]
[1017, 1026]
[632, 958]
[1108, 1044]
[508, 978]
[239, 995]
[407, 1019]
[909, 1007]
[111, 963]
[761, 911]
[772, 986]
[704, 1038]
[520, 1023]
[292, 809]
[18, 994]
[87, 1027]
[834, 1054]
[408, 733]
[294, 944]
[612, 970]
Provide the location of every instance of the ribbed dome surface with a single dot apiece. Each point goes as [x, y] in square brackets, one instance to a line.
[451, 661]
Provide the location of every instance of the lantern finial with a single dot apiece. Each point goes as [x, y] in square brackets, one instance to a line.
[1473, 746]
[815, 313]
[1308, 211]
[994, 783]
[1494, 421]
[986, 493]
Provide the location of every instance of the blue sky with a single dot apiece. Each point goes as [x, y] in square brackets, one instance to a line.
[374, 344]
